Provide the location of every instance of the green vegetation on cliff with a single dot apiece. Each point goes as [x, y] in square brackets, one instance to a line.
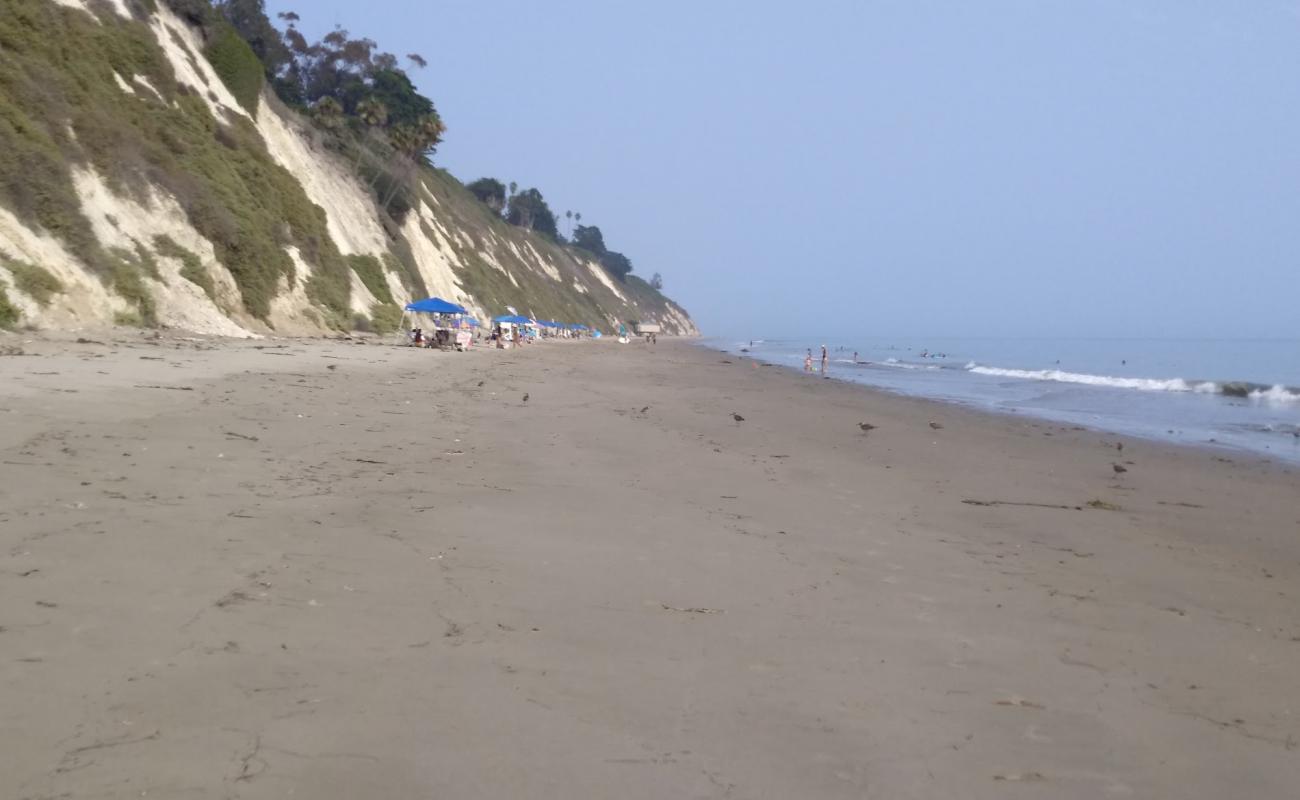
[9, 315]
[34, 281]
[237, 66]
[62, 107]
[94, 92]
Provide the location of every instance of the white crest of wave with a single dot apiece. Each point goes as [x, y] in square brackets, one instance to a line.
[1061, 376]
[1276, 394]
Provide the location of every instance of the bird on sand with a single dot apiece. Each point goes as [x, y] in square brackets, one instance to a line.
[1119, 446]
[936, 426]
[866, 427]
[737, 417]
[480, 383]
[525, 397]
[1120, 469]
[647, 408]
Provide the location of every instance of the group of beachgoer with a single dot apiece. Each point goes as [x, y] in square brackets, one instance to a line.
[808, 361]
[442, 337]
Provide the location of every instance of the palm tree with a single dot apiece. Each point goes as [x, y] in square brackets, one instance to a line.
[328, 113]
[374, 114]
[569, 216]
[412, 143]
[429, 131]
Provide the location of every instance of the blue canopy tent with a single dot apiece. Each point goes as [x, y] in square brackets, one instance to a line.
[435, 305]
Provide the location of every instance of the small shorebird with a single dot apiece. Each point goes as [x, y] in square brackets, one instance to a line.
[525, 397]
[1119, 468]
[936, 426]
[737, 417]
[866, 427]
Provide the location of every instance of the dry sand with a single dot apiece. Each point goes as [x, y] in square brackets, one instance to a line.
[326, 570]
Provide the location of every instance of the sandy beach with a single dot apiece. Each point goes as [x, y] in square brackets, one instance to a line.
[337, 569]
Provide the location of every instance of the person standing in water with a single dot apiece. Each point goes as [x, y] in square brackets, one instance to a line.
[824, 359]
[807, 361]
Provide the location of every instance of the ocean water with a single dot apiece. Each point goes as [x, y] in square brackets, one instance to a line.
[1232, 394]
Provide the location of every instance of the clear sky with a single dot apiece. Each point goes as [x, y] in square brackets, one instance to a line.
[894, 167]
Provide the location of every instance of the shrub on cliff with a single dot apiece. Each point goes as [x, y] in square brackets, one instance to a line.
[237, 66]
[36, 282]
[9, 314]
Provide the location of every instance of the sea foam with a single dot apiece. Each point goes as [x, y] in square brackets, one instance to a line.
[1268, 394]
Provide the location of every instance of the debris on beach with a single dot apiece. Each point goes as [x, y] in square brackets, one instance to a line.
[991, 503]
[693, 610]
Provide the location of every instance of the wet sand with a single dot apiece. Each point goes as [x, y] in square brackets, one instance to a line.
[333, 570]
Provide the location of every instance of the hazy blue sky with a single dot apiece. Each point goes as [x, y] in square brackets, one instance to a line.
[894, 167]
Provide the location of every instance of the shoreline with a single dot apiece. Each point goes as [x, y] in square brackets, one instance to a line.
[1210, 446]
[341, 570]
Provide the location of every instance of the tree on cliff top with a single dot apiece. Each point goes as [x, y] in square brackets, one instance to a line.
[589, 238]
[529, 210]
[491, 192]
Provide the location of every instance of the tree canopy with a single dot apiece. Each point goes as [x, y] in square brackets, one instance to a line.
[351, 72]
[529, 210]
[589, 238]
[491, 192]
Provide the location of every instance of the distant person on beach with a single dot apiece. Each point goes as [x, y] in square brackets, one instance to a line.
[855, 356]
[824, 360]
[807, 361]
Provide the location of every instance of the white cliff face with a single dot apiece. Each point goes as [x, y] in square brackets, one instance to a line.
[118, 6]
[445, 252]
[350, 212]
[124, 224]
[184, 51]
[84, 300]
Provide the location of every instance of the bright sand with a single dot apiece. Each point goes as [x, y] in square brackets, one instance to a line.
[328, 570]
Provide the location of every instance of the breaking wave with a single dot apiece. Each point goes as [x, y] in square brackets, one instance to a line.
[896, 364]
[1252, 391]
